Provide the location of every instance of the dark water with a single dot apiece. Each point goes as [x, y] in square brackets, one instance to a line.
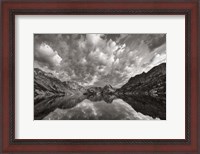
[107, 107]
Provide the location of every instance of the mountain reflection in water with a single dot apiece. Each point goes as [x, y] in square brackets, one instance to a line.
[107, 107]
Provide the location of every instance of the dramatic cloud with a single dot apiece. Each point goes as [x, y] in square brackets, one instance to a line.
[98, 59]
[44, 54]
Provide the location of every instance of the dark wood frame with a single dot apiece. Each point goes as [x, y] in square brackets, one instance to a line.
[10, 9]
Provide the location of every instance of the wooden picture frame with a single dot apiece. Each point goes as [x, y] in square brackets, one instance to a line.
[12, 8]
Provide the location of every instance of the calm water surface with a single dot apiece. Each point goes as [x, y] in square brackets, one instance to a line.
[99, 108]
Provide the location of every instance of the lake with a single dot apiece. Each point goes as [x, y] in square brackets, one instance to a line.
[107, 107]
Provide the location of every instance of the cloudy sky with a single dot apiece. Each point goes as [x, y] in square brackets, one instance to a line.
[98, 59]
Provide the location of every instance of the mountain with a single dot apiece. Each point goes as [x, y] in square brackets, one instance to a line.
[47, 85]
[93, 91]
[99, 91]
[146, 92]
[108, 89]
[151, 84]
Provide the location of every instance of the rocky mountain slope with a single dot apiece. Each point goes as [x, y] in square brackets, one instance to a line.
[146, 92]
[46, 85]
[100, 91]
[152, 84]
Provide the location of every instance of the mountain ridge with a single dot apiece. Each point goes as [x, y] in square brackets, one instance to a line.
[152, 83]
[47, 85]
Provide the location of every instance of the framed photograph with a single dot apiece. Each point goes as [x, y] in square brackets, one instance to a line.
[100, 76]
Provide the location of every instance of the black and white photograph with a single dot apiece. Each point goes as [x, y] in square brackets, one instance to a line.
[99, 76]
